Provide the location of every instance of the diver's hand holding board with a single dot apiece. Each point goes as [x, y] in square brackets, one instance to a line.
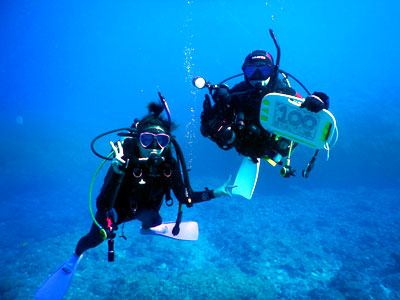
[281, 114]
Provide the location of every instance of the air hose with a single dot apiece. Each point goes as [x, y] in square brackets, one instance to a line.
[103, 233]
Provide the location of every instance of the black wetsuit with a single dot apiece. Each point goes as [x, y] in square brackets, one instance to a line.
[138, 194]
[242, 105]
[252, 140]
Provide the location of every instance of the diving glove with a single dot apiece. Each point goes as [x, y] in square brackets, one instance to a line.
[316, 102]
[221, 94]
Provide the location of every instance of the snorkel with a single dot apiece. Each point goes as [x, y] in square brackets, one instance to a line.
[275, 71]
[164, 102]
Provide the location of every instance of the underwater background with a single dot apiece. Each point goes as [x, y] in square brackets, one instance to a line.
[71, 70]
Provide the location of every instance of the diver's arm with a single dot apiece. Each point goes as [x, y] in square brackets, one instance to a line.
[197, 197]
[109, 191]
[223, 190]
[115, 175]
[188, 196]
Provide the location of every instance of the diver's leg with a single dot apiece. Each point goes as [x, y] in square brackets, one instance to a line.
[149, 218]
[92, 239]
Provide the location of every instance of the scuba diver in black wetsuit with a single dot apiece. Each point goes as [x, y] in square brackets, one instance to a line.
[142, 173]
[233, 120]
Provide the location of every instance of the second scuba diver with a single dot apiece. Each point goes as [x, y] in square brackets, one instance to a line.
[233, 120]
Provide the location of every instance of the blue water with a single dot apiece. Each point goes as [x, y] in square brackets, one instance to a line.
[70, 70]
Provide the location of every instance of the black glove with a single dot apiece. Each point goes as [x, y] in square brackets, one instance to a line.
[316, 102]
[240, 121]
[221, 94]
[226, 135]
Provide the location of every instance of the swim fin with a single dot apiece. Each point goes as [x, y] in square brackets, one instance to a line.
[56, 286]
[246, 178]
[189, 230]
